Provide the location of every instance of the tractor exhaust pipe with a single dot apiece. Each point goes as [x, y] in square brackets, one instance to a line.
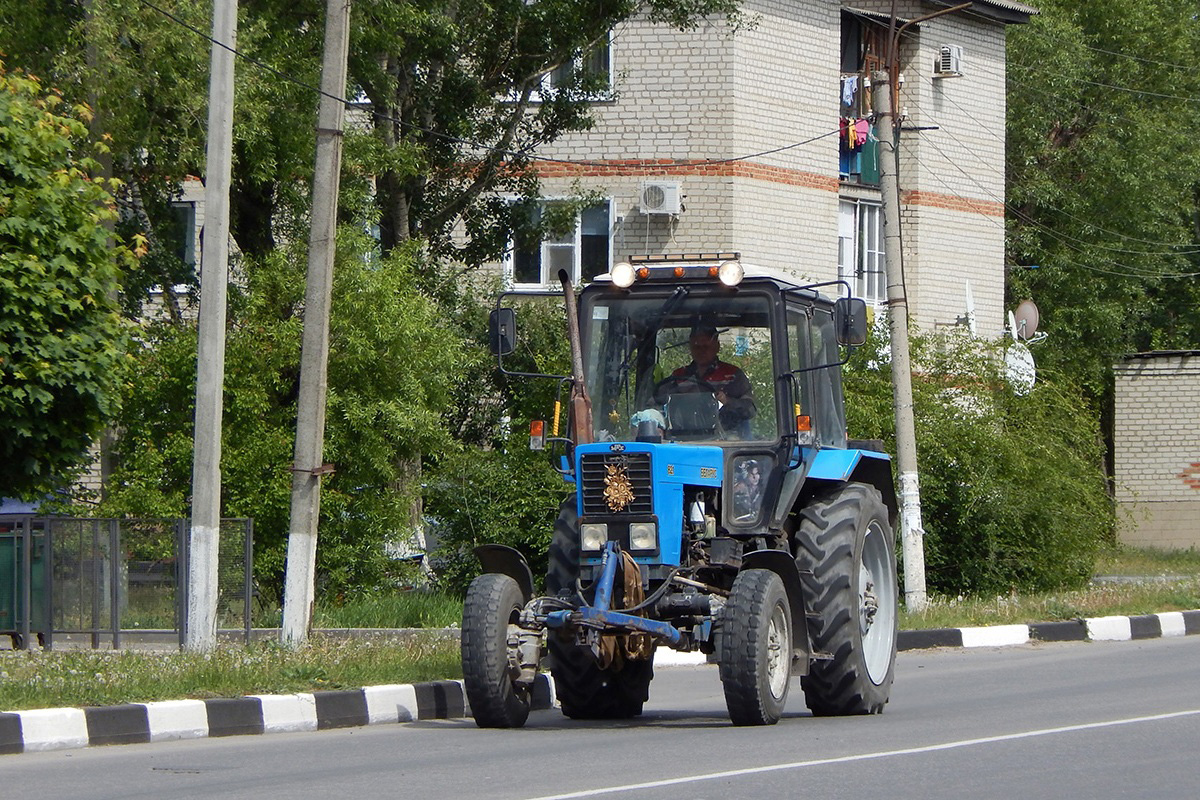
[581, 404]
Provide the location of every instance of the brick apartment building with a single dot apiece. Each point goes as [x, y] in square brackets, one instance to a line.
[669, 151]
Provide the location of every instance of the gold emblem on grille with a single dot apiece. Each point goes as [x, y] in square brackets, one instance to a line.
[618, 491]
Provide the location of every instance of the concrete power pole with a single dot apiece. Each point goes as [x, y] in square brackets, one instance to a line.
[200, 623]
[912, 534]
[298, 588]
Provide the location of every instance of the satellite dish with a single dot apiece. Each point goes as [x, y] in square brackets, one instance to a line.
[1019, 368]
[1027, 318]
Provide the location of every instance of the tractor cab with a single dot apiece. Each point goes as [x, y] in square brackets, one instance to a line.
[697, 351]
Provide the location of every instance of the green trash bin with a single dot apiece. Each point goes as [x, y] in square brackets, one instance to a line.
[12, 584]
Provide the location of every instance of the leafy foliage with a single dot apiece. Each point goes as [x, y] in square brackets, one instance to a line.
[1102, 169]
[460, 105]
[61, 340]
[505, 496]
[394, 360]
[1013, 492]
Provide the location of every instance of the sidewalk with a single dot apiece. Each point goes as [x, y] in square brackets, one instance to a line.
[64, 728]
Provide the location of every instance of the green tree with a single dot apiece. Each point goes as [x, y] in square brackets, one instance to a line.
[61, 340]
[1012, 485]
[460, 106]
[394, 360]
[1102, 168]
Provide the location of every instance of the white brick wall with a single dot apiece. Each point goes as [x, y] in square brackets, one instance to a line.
[706, 94]
[1156, 449]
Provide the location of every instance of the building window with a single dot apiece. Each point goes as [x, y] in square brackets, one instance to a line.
[860, 249]
[584, 251]
[182, 234]
[592, 68]
[863, 44]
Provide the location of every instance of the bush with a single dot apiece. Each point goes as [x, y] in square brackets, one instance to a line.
[1013, 490]
[507, 496]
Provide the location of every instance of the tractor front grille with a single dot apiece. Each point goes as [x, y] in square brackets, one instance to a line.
[626, 473]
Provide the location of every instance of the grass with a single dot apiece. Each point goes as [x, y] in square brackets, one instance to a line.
[34, 679]
[1171, 582]
[1166, 581]
[399, 610]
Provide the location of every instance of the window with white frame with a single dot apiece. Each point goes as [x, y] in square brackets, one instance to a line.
[594, 63]
[860, 249]
[584, 251]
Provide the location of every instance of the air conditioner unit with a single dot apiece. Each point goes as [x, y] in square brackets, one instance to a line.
[949, 62]
[660, 197]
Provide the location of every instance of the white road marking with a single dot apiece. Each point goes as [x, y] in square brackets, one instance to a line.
[933, 748]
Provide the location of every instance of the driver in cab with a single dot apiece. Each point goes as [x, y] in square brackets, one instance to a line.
[707, 373]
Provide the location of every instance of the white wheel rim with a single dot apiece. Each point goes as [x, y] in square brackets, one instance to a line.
[778, 647]
[876, 604]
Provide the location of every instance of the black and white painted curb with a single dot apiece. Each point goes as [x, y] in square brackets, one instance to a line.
[64, 728]
[1097, 629]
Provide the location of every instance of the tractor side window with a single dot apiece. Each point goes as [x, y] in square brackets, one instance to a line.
[813, 348]
[829, 419]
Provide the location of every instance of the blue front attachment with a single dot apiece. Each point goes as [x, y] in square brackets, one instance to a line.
[672, 467]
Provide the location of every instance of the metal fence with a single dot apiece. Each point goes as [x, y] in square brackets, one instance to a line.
[107, 578]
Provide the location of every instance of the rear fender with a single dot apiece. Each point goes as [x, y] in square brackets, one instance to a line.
[782, 564]
[830, 468]
[507, 561]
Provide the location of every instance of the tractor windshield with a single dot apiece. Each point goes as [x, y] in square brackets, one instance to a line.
[698, 367]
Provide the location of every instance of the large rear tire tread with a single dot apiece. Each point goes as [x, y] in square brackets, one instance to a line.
[584, 690]
[830, 541]
[756, 648]
[493, 602]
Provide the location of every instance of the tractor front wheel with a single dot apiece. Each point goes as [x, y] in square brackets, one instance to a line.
[490, 614]
[756, 648]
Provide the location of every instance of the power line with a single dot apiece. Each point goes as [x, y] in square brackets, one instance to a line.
[1067, 241]
[1174, 247]
[1037, 30]
[521, 154]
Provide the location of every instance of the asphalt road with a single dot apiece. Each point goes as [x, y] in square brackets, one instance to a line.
[1098, 720]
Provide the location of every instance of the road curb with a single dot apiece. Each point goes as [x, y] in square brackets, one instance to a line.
[1096, 629]
[67, 728]
[168, 720]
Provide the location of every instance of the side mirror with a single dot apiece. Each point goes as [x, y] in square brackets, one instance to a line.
[850, 319]
[502, 331]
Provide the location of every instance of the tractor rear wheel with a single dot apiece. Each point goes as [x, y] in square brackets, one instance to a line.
[756, 648]
[845, 551]
[490, 614]
[585, 690]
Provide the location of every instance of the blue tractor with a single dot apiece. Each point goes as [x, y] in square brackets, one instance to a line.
[718, 506]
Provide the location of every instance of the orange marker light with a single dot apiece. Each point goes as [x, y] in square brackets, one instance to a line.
[537, 434]
[679, 272]
[803, 422]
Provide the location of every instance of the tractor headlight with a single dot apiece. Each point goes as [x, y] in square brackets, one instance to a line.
[731, 273]
[643, 536]
[592, 536]
[622, 274]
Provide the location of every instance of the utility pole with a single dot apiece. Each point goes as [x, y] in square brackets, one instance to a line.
[200, 623]
[307, 470]
[912, 535]
[912, 531]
